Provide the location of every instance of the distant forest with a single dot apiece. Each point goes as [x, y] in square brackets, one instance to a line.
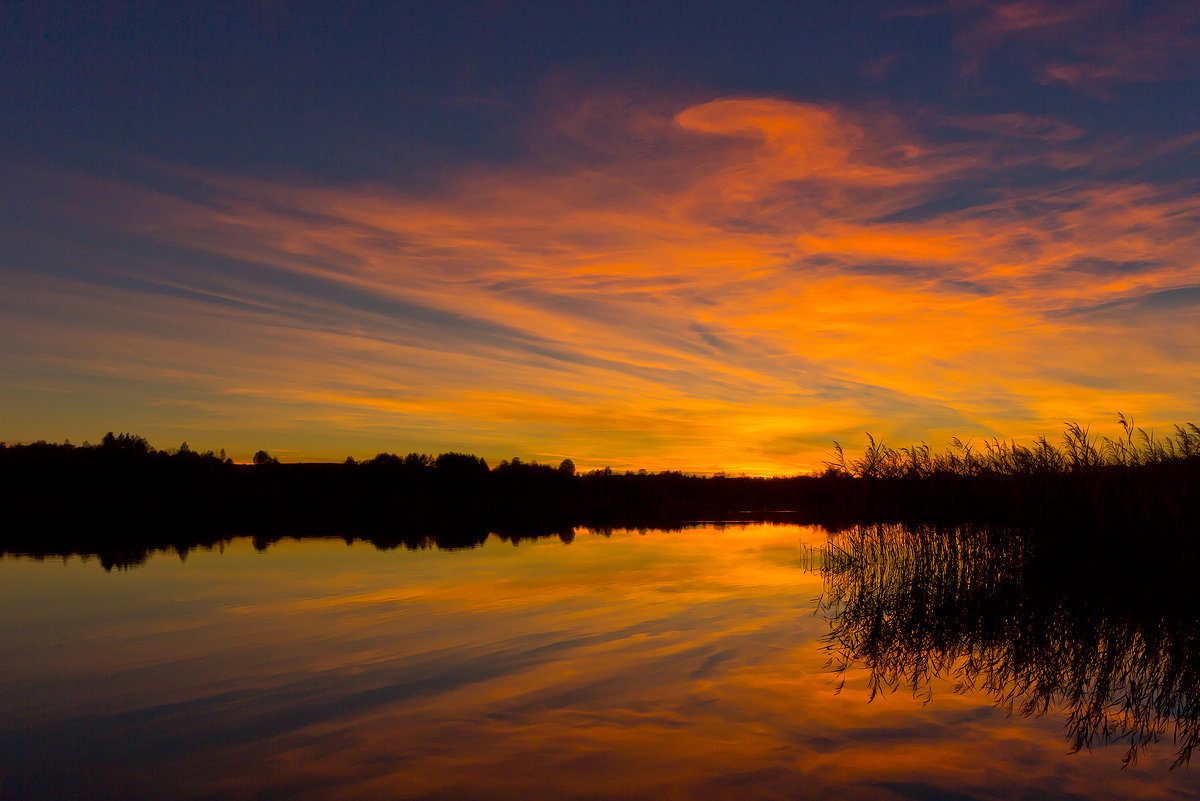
[122, 498]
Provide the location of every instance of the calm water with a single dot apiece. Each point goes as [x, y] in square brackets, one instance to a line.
[696, 664]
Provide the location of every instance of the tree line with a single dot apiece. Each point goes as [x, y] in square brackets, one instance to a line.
[122, 494]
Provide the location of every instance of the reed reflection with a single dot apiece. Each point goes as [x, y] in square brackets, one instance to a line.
[1102, 632]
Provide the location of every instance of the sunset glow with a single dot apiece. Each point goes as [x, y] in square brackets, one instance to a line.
[711, 279]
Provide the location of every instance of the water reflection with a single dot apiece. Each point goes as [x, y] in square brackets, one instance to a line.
[123, 547]
[628, 664]
[1099, 635]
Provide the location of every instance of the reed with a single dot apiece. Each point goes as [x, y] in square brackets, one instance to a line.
[1136, 482]
[1104, 638]
[1080, 451]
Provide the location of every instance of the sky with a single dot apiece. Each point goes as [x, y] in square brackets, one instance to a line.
[649, 235]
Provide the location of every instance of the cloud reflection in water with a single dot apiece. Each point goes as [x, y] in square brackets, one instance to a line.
[660, 665]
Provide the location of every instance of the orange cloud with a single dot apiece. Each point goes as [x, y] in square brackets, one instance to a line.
[731, 285]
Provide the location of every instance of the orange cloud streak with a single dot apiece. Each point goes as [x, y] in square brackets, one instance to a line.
[731, 286]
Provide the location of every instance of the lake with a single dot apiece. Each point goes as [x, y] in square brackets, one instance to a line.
[714, 662]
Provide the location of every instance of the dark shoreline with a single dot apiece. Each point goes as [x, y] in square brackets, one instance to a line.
[122, 499]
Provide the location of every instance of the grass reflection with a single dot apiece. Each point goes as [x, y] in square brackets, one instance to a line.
[1106, 633]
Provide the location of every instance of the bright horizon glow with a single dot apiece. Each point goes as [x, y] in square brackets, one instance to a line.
[725, 282]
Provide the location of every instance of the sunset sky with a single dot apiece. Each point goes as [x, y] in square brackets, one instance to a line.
[650, 235]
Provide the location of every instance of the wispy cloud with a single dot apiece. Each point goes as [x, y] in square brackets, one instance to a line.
[725, 285]
[1087, 44]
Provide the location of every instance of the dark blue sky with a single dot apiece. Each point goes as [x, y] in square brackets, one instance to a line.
[388, 90]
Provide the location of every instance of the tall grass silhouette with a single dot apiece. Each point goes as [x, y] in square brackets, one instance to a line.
[1080, 451]
[1134, 481]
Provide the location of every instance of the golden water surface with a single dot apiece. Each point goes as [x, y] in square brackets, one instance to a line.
[688, 664]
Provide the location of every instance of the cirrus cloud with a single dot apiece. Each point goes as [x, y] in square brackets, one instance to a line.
[727, 285]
